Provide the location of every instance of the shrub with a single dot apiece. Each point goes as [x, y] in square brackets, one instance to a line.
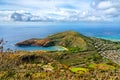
[79, 70]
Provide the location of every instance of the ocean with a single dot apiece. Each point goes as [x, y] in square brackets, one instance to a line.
[16, 32]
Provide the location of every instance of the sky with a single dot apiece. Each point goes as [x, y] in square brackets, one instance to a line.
[60, 10]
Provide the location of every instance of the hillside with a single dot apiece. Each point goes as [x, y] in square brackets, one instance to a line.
[68, 39]
[76, 42]
[71, 39]
[87, 58]
[41, 65]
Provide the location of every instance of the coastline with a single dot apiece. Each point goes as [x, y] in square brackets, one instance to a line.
[65, 49]
[60, 48]
[52, 48]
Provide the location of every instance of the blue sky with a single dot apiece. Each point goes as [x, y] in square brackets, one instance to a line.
[68, 10]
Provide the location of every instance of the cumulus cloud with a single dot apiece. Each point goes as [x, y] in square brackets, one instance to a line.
[104, 5]
[60, 10]
[110, 9]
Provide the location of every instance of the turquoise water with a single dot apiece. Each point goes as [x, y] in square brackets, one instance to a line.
[53, 48]
[16, 32]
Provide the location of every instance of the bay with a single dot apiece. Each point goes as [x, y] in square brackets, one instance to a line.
[16, 32]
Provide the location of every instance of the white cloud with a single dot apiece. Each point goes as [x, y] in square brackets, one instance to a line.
[93, 18]
[110, 9]
[104, 5]
[113, 12]
[60, 10]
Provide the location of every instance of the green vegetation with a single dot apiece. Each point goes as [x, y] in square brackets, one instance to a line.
[79, 70]
[86, 59]
[69, 39]
[64, 65]
[102, 66]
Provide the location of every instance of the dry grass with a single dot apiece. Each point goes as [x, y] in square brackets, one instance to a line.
[12, 67]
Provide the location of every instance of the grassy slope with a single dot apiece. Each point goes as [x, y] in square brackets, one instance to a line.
[72, 40]
[64, 65]
[82, 61]
[77, 42]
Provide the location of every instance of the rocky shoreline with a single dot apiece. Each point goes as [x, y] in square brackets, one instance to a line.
[36, 42]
